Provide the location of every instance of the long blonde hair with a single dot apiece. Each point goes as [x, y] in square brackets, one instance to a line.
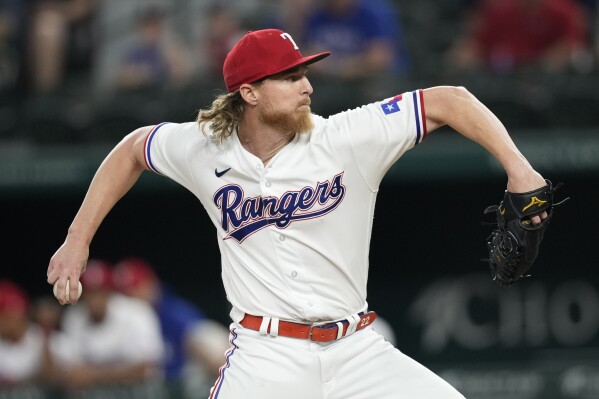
[223, 116]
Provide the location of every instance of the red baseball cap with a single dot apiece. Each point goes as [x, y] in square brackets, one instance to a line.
[263, 53]
[12, 298]
[97, 276]
[129, 273]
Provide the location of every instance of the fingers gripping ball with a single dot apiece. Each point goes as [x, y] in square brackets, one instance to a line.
[68, 294]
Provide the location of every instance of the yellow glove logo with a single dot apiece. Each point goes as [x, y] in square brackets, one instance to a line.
[534, 201]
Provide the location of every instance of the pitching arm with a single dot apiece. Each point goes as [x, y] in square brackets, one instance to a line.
[463, 112]
[114, 178]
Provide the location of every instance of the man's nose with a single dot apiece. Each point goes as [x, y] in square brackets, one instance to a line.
[307, 87]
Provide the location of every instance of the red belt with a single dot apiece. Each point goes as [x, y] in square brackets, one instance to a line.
[319, 333]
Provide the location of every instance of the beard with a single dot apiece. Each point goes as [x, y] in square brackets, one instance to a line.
[293, 122]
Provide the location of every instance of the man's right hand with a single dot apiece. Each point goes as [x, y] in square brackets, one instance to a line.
[68, 264]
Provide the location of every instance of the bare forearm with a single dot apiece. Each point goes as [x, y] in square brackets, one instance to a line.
[117, 174]
[85, 376]
[133, 373]
[463, 112]
[114, 178]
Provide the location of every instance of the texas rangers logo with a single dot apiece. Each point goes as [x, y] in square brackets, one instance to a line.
[242, 217]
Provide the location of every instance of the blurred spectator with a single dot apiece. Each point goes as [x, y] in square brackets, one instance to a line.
[363, 35]
[223, 31]
[47, 313]
[291, 16]
[107, 338]
[156, 58]
[22, 350]
[61, 41]
[195, 345]
[12, 33]
[511, 35]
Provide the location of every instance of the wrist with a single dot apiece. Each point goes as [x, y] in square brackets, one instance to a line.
[78, 237]
[524, 180]
[517, 167]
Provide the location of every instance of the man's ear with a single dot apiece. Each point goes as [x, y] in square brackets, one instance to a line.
[249, 93]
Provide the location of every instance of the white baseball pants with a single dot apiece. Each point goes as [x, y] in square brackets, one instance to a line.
[361, 366]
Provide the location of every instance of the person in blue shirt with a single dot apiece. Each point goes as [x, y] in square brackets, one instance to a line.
[156, 59]
[194, 344]
[365, 37]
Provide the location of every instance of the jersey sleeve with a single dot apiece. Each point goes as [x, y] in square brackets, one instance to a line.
[165, 151]
[381, 132]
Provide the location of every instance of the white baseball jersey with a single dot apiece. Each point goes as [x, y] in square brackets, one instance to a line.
[21, 361]
[129, 334]
[294, 235]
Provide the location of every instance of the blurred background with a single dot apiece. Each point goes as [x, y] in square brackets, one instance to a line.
[78, 75]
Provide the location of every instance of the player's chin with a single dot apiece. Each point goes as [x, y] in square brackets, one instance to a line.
[304, 122]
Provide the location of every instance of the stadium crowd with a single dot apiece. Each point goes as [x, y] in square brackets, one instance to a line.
[130, 330]
[88, 70]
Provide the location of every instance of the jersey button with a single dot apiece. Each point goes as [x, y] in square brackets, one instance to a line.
[267, 184]
[258, 166]
[294, 274]
[281, 238]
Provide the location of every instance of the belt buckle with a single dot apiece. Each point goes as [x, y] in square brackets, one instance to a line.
[310, 331]
[324, 324]
[312, 326]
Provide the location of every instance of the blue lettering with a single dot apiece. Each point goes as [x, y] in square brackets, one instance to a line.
[246, 216]
[222, 201]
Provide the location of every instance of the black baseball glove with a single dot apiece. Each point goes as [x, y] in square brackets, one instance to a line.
[514, 243]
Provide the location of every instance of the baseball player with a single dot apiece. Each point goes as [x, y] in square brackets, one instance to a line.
[292, 197]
